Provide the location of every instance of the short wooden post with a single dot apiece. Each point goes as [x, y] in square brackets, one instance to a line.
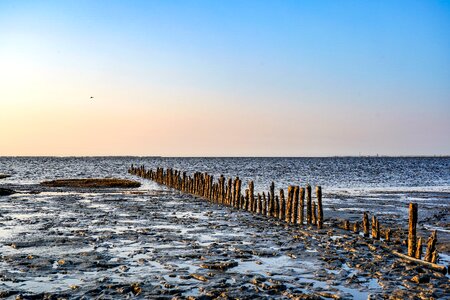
[301, 207]
[276, 207]
[246, 205]
[375, 228]
[346, 224]
[264, 205]
[314, 213]
[356, 227]
[418, 253]
[366, 224]
[259, 204]
[319, 207]
[387, 235]
[282, 202]
[289, 204]
[431, 246]
[251, 188]
[272, 203]
[412, 229]
[294, 215]
[308, 205]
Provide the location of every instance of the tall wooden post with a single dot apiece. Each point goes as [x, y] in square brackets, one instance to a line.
[301, 212]
[308, 205]
[319, 207]
[412, 229]
[294, 215]
[289, 204]
[282, 211]
[272, 202]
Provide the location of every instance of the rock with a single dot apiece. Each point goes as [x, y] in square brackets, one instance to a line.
[421, 279]
[6, 192]
[219, 265]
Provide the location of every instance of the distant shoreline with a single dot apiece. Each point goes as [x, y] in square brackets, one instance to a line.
[156, 156]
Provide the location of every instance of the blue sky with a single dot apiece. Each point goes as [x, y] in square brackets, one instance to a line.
[347, 76]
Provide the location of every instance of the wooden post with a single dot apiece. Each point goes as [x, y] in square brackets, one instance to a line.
[294, 215]
[308, 205]
[314, 214]
[259, 204]
[251, 187]
[289, 204]
[418, 253]
[431, 246]
[229, 194]
[246, 205]
[301, 207]
[264, 206]
[319, 207]
[375, 228]
[412, 229]
[276, 207]
[434, 257]
[366, 224]
[282, 202]
[272, 202]
[346, 224]
[356, 227]
[387, 235]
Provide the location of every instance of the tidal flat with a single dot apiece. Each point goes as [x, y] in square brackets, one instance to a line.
[159, 243]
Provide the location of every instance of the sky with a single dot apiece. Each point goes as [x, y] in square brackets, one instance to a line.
[224, 78]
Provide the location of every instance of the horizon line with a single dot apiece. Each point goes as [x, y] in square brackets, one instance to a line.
[237, 156]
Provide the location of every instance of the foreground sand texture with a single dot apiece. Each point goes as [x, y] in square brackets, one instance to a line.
[161, 243]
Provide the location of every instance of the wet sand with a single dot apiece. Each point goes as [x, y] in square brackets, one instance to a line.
[164, 244]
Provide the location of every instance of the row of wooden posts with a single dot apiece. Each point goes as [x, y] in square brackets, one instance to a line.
[228, 192]
[414, 243]
[291, 210]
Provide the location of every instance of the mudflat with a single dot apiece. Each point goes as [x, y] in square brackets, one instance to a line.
[93, 183]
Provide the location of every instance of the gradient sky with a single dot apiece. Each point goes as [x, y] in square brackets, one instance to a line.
[225, 78]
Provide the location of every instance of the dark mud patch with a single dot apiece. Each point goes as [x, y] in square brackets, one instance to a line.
[6, 192]
[93, 183]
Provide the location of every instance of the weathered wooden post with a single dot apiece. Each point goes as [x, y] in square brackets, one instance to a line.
[346, 224]
[251, 188]
[238, 192]
[412, 229]
[294, 215]
[301, 215]
[356, 227]
[319, 207]
[387, 235]
[245, 205]
[314, 214]
[282, 210]
[418, 253]
[259, 204]
[366, 224]
[289, 204]
[264, 206]
[229, 194]
[308, 205]
[375, 228]
[431, 246]
[272, 203]
[276, 207]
